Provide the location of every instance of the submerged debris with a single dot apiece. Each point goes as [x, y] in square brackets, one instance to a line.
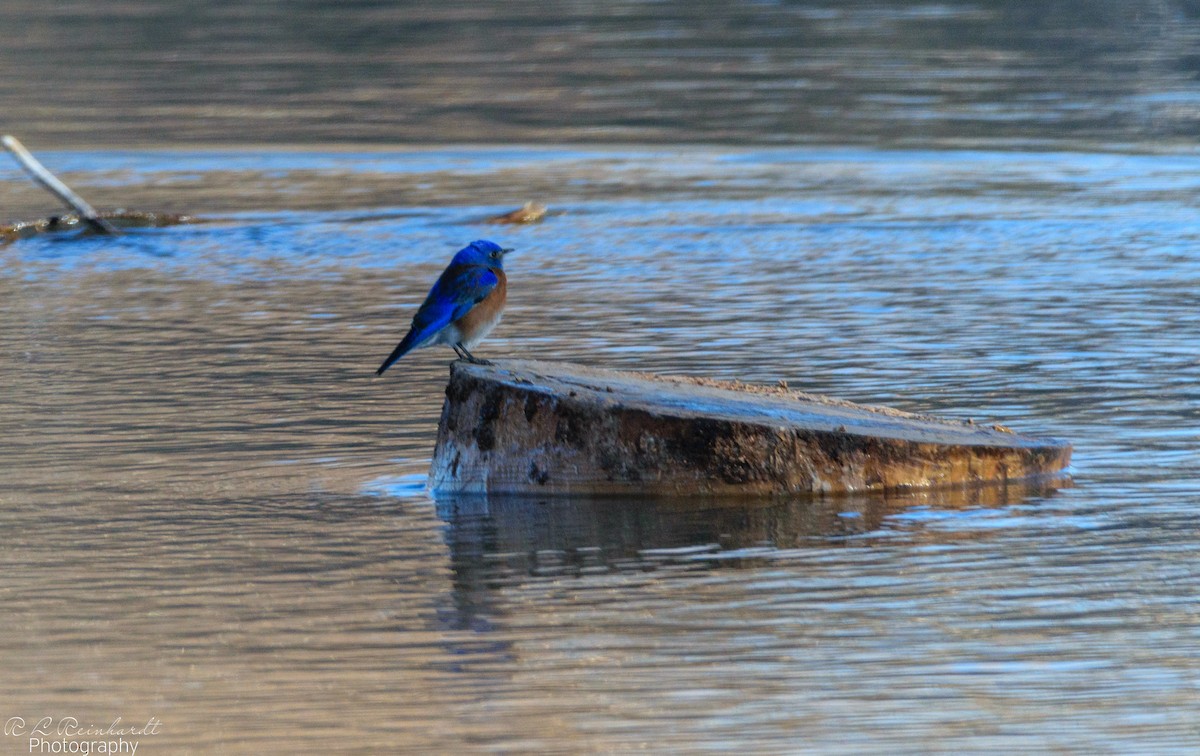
[85, 216]
[42, 176]
[61, 223]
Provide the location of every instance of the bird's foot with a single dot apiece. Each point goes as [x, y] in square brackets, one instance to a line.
[465, 355]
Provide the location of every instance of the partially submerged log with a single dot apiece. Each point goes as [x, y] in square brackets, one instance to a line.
[63, 223]
[525, 427]
[85, 216]
[51, 183]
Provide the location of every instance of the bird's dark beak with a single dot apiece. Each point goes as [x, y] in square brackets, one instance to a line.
[506, 251]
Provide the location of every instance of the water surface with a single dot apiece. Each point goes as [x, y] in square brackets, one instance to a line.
[214, 515]
[879, 72]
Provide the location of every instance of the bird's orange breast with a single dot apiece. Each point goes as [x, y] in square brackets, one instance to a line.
[485, 314]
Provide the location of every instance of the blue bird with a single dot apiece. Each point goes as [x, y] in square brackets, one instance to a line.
[462, 307]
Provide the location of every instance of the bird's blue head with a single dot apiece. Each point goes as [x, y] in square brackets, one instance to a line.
[481, 252]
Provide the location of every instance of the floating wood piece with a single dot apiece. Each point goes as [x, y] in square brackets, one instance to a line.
[528, 427]
[530, 212]
[51, 183]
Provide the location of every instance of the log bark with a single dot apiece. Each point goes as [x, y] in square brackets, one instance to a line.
[526, 427]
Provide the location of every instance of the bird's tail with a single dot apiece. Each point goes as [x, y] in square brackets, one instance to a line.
[406, 345]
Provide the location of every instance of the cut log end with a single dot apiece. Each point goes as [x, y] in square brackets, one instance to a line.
[526, 427]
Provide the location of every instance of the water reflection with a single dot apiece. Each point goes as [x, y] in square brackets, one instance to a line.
[586, 533]
[503, 540]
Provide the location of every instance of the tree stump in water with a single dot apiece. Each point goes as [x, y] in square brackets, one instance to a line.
[526, 427]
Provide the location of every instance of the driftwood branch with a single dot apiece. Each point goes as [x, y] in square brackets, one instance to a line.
[51, 183]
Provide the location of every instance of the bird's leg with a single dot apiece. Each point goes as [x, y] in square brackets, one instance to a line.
[459, 351]
[464, 352]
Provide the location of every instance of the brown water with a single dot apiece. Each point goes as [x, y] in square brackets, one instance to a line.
[214, 516]
[103, 72]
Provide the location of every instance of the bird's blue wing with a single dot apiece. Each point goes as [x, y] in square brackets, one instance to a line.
[457, 290]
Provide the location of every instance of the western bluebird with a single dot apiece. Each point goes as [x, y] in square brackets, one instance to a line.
[462, 307]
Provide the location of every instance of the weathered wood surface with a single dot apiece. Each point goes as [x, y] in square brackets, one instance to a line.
[521, 426]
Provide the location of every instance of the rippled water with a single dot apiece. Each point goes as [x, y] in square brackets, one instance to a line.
[880, 72]
[214, 515]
